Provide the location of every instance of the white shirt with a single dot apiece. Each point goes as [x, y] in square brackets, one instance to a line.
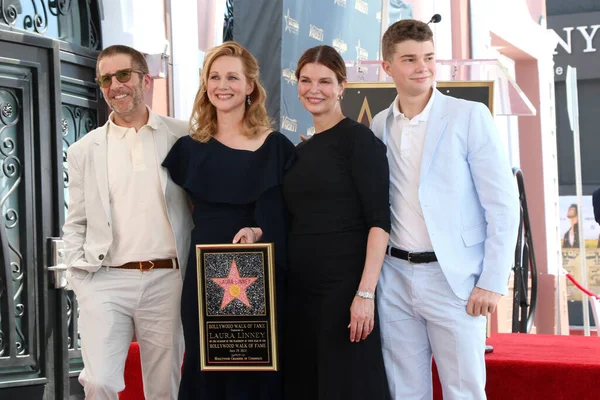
[405, 149]
[140, 224]
[571, 237]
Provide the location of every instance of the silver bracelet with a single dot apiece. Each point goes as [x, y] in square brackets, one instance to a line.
[365, 295]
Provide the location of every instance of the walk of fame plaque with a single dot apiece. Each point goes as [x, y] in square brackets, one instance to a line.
[236, 306]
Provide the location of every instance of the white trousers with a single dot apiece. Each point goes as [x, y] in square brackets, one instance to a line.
[419, 316]
[115, 303]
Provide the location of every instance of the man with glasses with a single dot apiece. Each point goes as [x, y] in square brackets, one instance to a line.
[127, 233]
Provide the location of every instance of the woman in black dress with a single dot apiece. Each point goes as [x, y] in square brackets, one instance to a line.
[232, 167]
[337, 195]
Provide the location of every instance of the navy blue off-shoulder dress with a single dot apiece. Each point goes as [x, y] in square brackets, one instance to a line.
[230, 189]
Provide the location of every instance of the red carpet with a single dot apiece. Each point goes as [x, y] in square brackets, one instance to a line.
[134, 387]
[524, 367]
[541, 367]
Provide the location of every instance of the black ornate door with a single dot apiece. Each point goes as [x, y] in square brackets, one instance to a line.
[48, 100]
[30, 338]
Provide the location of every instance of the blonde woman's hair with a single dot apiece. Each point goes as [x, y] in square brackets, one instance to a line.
[203, 122]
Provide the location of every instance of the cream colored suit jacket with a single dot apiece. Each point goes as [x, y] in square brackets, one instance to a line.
[87, 230]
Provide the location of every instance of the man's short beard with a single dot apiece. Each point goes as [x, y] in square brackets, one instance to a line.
[137, 99]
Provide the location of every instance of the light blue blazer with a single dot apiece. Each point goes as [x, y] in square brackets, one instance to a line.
[467, 192]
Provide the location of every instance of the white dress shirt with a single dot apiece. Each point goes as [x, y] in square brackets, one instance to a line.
[140, 224]
[405, 148]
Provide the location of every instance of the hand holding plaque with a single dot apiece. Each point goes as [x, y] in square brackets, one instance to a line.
[248, 235]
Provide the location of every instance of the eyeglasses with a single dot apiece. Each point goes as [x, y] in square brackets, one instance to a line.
[123, 75]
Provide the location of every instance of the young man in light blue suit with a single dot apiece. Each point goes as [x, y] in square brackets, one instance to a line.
[455, 217]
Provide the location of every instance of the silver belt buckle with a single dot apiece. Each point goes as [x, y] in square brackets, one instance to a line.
[409, 260]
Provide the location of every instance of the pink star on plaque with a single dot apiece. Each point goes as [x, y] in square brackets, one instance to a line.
[235, 287]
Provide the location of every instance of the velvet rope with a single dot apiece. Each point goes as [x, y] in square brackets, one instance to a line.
[584, 290]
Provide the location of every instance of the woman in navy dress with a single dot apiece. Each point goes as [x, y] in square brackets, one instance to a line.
[232, 167]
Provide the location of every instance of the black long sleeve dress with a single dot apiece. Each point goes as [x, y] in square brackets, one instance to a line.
[230, 189]
[337, 189]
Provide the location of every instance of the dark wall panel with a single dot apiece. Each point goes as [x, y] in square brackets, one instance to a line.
[589, 131]
[257, 27]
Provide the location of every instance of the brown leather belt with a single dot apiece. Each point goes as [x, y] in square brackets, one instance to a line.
[149, 265]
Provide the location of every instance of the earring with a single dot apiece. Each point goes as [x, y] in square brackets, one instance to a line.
[248, 101]
[341, 97]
